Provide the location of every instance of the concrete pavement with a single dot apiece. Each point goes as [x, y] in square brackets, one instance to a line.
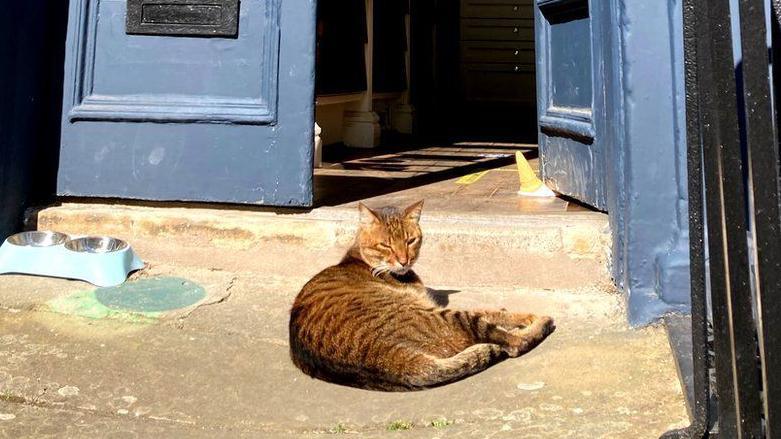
[223, 371]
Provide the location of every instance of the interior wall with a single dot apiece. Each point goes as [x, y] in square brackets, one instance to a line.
[497, 71]
[470, 70]
[352, 114]
[32, 45]
[341, 35]
[331, 121]
[422, 69]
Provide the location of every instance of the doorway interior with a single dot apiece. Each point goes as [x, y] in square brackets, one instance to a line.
[427, 99]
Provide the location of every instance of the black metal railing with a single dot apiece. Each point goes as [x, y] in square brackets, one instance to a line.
[735, 225]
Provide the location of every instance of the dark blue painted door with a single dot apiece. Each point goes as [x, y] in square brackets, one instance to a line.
[571, 97]
[174, 117]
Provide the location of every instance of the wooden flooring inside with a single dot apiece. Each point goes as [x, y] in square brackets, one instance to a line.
[474, 177]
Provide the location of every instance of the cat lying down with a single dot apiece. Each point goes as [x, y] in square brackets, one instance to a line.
[369, 322]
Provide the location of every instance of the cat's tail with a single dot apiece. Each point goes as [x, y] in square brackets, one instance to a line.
[421, 371]
[470, 361]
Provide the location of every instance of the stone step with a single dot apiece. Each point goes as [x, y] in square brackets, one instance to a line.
[548, 251]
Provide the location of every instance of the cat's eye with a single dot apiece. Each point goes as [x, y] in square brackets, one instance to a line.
[384, 246]
[411, 241]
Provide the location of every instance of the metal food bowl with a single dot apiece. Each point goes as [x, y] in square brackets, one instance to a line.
[96, 244]
[101, 260]
[37, 239]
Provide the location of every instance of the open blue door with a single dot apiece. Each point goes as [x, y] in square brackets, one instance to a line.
[571, 97]
[204, 100]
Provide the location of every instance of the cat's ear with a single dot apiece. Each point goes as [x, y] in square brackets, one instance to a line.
[413, 212]
[368, 217]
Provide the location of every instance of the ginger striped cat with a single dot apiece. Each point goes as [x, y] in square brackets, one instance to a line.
[369, 322]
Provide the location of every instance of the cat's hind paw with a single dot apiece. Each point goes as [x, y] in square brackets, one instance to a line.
[529, 337]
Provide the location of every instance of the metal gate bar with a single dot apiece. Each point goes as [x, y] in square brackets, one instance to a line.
[733, 164]
[762, 150]
[734, 330]
[701, 418]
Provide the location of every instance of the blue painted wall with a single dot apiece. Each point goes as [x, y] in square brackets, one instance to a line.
[647, 166]
[637, 103]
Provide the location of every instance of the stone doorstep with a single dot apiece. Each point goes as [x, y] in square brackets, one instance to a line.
[577, 235]
[547, 251]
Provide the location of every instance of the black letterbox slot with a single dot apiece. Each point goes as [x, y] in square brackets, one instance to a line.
[195, 18]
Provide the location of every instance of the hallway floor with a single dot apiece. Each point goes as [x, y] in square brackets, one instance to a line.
[463, 177]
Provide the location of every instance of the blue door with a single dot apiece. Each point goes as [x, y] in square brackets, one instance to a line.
[203, 100]
[571, 97]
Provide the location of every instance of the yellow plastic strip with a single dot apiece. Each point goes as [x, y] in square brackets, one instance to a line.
[471, 178]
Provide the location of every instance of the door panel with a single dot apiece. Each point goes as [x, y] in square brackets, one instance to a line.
[138, 69]
[570, 64]
[571, 98]
[173, 117]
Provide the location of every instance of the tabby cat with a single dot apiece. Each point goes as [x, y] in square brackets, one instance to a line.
[369, 322]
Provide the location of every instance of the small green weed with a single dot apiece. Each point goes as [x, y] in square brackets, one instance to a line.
[338, 429]
[441, 423]
[400, 425]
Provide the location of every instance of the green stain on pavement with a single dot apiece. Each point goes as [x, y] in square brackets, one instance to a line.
[158, 294]
[86, 304]
[141, 301]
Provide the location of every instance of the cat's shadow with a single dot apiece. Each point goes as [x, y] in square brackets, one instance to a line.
[441, 297]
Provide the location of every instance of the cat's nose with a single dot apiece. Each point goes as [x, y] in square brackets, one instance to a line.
[403, 260]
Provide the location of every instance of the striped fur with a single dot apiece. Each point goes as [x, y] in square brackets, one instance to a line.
[369, 322]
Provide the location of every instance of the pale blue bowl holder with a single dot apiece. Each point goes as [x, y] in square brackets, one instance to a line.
[100, 269]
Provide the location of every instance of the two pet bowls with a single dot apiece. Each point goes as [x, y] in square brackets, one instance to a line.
[99, 260]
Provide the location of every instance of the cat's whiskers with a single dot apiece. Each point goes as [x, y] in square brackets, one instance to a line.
[380, 270]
